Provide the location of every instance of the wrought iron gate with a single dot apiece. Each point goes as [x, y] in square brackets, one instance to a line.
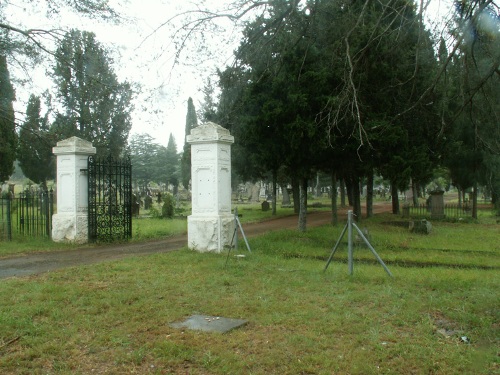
[109, 199]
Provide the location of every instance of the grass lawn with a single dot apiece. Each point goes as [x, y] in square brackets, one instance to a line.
[114, 318]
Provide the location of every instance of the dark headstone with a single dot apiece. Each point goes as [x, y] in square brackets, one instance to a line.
[265, 206]
[422, 226]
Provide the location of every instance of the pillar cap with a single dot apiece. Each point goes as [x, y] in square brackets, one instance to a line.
[209, 132]
[74, 145]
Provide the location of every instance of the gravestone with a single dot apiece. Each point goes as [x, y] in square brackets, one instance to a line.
[422, 227]
[437, 204]
[211, 223]
[265, 206]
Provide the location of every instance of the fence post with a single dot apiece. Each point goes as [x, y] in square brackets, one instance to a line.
[9, 218]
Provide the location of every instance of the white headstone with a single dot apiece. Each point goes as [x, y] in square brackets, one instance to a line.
[210, 225]
[70, 223]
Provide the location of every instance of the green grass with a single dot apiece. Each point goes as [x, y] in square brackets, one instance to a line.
[114, 317]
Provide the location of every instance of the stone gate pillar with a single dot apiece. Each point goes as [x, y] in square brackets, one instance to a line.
[70, 224]
[211, 224]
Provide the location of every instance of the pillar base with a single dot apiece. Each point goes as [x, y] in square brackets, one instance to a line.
[70, 228]
[210, 233]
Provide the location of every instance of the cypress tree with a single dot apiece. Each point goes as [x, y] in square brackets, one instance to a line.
[8, 136]
[191, 122]
[35, 147]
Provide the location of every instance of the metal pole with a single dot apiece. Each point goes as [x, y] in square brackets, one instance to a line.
[236, 230]
[350, 260]
[335, 247]
[373, 250]
[243, 233]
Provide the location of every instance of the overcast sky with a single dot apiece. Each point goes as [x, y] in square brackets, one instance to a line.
[144, 52]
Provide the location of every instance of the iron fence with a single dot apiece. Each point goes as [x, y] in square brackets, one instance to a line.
[448, 210]
[28, 214]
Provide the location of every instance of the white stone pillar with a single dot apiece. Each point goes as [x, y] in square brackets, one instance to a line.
[70, 224]
[211, 224]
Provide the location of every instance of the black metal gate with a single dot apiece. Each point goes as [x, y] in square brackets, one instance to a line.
[109, 199]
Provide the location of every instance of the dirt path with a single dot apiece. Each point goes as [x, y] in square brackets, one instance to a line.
[39, 263]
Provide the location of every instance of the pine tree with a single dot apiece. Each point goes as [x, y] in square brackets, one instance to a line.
[96, 106]
[8, 136]
[191, 122]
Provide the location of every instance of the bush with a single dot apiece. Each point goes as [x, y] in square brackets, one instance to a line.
[168, 206]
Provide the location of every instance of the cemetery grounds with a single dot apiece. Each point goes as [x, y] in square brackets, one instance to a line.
[439, 314]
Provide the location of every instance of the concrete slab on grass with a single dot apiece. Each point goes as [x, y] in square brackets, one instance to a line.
[210, 323]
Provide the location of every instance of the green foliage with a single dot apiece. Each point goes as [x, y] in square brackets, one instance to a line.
[472, 98]
[169, 164]
[333, 87]
[35, 145]
[144, 153]
[96, 106]
[8, 135]
[154, 212]
[191, 122]
[153, 162]
[168, 206]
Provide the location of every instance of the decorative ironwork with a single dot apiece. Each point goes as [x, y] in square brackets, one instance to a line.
[109, 199]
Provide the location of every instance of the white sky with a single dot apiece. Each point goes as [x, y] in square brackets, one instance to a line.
[144, 56]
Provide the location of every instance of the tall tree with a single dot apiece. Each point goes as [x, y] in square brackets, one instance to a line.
[143, 153]
[191, 122]
[35, 145]
[96, 106]
[169, 166]
[8, 135]
[475, 132]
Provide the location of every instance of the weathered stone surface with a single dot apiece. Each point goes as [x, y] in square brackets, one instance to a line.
[210, 223]
[70, 228]
[70, 224]
[210, 323]
[210, 233]
[209, 132]
[422, 226]
[74, 145]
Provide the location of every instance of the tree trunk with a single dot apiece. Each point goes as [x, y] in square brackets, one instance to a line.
[342, 192]
[318, 187]
[335, 218]
[349, 190]
[356, 199]
[286, 197]
[414, 188]
[275, 183]
[369, 195]
[395, 199]
[460, 201]
[296, 195]
[303, 205]
[474, 200]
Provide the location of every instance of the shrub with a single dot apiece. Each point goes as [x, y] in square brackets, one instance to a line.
[168, 206]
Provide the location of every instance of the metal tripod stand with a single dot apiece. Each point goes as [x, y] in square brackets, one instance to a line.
[234, 239]
[350, 259]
